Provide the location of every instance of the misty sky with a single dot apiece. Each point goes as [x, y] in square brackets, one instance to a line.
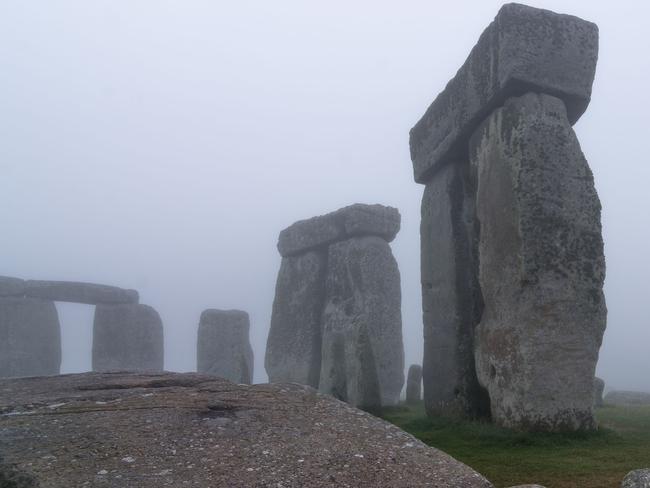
[163, 145]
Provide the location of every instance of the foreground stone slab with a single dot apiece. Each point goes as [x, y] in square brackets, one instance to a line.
[541, 267]
[627, 398]
[362, 349]
[451, 296]
[71, 291]
[524, 50]
[11, 286]
[30, 337]
[354, 220]
[414, 384]
[293, 348]
[171, 429]
[223, 345]
[639, 478]
[127, 337]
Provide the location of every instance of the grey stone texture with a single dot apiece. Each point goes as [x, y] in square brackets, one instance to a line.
[223, 345]
[627, 398]
[524, 49]
[599, 387]
[177, 430]
[362, 349]
[71, 291]
[639, 478]
[30, 337]
[451, 297]
[127, 337]
[541, 267]
[414, 384]
[293, 349]
[354, 220]
[11, 287]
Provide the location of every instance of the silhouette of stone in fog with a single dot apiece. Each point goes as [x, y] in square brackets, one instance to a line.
[126, 335]
[223, 346]
[414, 384]
[336, 322]
[599, 387]
[512, 254]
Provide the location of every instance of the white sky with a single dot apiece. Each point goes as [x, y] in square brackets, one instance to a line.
[162, 146]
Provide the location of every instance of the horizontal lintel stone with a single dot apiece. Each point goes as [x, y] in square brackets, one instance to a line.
[71, 291]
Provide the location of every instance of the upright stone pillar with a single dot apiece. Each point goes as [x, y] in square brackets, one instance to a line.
[363, 355]
[127, 337]
[223, 346]
[414, 384]
[542, 267]
[476, 269]
[30, 337]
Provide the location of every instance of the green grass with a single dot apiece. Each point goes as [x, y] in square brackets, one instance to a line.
[597, 459]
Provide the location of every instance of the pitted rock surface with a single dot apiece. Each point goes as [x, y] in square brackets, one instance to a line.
[354, 220]
[169, 429]
[525, 49]
[639, 478]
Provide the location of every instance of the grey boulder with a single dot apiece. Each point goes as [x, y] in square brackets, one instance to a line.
[30, 337]
[127, 337]
[639, 478]
[541, 267]
[223, 347]
[362, 349]
[293, 347]
[525, 49]
[71, 291]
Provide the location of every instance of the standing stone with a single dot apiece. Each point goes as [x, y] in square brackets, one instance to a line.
[223, 346]
[599, 387]
[127, 337]
[414, 384]
[11, 287]
[451, 298]
[639, 478]
[362, 352]
[30, 337]
[541, 267]
[293, 349]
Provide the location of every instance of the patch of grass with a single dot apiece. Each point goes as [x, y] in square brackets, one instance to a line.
[598, 459]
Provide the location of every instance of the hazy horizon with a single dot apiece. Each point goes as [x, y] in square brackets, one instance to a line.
[163, 146]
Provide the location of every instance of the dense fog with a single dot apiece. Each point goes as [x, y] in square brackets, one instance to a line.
[163, 145]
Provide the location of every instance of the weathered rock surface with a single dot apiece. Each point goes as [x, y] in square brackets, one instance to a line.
[10, 287]
[362, 350]
[599, 387]
[354, 220]
[541, 267]
[524, 50]
[639, 478]
[451, 297]
[127, 337]
[71, 291]
[30, 337]
[223, 345]
[293, 348]
[627, 398]
[120, 430]
[414, 384]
